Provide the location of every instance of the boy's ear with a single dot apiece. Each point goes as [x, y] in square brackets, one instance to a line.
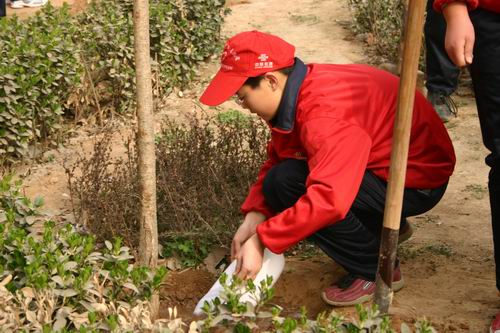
[272, 80]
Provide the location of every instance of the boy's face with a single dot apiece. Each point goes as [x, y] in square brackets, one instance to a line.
[264, 99]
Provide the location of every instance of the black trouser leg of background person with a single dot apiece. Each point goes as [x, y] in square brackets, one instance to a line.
[441, 74]
[485, 72]
[3, 8]
[353, 242]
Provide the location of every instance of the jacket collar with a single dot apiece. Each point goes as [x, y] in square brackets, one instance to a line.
[285, 117]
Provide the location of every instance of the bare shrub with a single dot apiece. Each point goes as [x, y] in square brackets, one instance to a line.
[104, 192]
[204, 170]
[383, 20]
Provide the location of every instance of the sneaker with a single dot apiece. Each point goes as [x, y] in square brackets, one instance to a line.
[17, 4]
[405, 232]
[495, 324]
[444, 105]
[34, 3]
[351, 289]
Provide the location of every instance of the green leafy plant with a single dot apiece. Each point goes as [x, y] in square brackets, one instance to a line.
[54, 66]
[229, 311]
[56, 276]
[190, 252]
[234, 117]
[182, 33]
[39, 67]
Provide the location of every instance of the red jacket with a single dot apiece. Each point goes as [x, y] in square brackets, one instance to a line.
[342, 125]
[493, 5]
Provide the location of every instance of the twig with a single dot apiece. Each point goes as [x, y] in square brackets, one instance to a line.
[92, 88]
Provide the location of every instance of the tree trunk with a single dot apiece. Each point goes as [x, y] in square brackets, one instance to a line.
[148, 243]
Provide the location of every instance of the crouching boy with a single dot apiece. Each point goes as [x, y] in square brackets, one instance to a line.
[328, 158]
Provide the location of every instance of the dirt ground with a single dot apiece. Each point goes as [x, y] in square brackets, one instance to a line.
[447, 265]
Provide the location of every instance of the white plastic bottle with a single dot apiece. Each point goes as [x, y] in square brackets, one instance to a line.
[272, 265]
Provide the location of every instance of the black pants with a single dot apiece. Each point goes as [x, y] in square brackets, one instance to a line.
[3, 9]
[353, 242]
[485, 73]
[442, 74]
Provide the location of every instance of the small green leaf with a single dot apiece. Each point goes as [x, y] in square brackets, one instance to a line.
[38, 202]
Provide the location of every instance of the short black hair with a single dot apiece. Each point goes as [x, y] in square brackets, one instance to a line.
[254, 82]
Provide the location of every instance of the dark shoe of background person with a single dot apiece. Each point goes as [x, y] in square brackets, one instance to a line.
[443, 104]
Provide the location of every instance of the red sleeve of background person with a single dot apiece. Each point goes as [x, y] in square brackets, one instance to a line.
[344, 123]
[493, 5]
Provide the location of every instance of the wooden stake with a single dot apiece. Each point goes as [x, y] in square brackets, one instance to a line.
[399, 155]
[148, 242]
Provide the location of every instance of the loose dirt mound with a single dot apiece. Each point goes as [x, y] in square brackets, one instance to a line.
[184, 289]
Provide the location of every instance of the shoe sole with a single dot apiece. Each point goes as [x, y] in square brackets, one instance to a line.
[396, 286]
[33, 6]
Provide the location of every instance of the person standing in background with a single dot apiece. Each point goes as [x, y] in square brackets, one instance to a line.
[441, 73]
[473, 39]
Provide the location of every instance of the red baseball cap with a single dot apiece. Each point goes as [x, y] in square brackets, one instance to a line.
[247, 54]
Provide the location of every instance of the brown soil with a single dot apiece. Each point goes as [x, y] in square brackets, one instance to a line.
[447, 265]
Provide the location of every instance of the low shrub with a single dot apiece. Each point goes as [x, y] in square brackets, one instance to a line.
[182, 33]
[104, 192]
[204, 169]
[54, 64]
[39, 68]
[383, 20]
[54, 278]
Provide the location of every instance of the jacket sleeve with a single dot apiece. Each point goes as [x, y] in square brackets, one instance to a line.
[438, 4]
[337, 156]
[255, 199]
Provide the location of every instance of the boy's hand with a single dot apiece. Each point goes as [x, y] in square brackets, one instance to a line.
[459, 41]
[245, 231]
[249, 258]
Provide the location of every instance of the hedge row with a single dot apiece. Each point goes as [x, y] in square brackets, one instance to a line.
[55, 66]
[56, 279]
